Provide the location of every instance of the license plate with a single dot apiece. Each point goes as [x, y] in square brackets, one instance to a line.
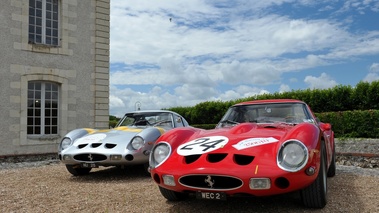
[211, 195]
[89, 165]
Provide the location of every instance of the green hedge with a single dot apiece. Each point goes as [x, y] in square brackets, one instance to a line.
[364, 96]
[347, 124]
[352, 111]
[353, 124]
[113, 120]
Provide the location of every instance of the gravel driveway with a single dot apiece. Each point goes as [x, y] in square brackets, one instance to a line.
[50, 188]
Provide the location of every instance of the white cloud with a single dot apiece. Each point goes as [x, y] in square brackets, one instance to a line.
[175, 47]
[224, 50]
[115, 102]
[373, 74]
[284, 88]
[322, 82]
[374, 67]
[370, 77]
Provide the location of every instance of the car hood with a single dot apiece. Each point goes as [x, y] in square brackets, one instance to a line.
[245, 138]
[118, 135]
[198, 151]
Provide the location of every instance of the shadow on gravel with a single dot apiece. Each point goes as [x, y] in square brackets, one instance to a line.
[340, 185]
[113, 174]
[280, 203]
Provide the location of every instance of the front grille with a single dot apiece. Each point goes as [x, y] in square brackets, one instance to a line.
[90, 157]
[211, 182]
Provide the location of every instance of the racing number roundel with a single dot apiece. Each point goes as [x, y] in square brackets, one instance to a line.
[202, 145]
[93, 138]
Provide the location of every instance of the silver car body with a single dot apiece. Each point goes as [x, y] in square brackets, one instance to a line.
[85, 148]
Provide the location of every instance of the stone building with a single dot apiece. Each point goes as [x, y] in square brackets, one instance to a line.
[54, 68]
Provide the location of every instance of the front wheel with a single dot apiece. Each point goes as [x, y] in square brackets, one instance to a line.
[77, 170]
[315, 195]
[172, 195]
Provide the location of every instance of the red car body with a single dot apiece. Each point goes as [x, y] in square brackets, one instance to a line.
[251, 157]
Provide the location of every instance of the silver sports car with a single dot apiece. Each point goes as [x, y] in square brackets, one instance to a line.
[129, 143]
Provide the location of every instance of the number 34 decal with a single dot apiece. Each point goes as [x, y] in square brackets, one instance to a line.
[202, 145]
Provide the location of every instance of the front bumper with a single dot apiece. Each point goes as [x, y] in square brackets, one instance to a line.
[105, 159]
[256, 181]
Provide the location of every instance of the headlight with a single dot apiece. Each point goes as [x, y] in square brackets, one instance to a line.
[159, 154]
[65, 143]
[137, 142]
[292, 156]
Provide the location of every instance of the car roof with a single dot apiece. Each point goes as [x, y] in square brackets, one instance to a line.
[147, 111]
[266, 101]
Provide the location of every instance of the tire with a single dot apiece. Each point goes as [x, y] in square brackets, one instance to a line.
[146, 169]
[332, 167]
[172, 195]
[77, 171]
[315, 195]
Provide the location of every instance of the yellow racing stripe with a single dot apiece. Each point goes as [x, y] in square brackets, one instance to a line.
[127, 129]
[90, 131]
[120, 128]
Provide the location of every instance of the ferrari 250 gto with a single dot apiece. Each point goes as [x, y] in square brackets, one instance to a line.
[129, 143]
[259, 148]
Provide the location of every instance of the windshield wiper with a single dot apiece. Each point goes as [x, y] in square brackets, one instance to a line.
[229, 122]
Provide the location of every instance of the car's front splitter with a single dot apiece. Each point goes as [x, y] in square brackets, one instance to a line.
[264, 183]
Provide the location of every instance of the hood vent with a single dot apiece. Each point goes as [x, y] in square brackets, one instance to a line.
[95, 145]
[214, 158]
[241, 160]
[81, 146]
[191, 158]
[110, 145]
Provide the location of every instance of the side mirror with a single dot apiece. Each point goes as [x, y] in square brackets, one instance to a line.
[325, 126]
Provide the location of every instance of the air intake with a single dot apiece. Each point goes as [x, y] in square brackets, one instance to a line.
[90, 157]
[211, 182]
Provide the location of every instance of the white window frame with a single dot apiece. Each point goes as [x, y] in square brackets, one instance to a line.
[53, 39]
[42, 116]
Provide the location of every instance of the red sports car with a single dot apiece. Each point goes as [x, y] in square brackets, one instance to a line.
[259, 148]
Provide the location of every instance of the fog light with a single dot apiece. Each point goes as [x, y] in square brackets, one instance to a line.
[168, 180]
[259, 183]
[310, 171]
[66, 157]
[146, 152]
[116, 157]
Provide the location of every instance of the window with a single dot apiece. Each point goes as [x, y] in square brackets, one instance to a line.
[44, 22]
[42, 108]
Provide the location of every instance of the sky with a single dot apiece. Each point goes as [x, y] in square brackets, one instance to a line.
[178, 53]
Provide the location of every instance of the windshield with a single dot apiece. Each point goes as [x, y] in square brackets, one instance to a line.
[162, 119]
[292, 113]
